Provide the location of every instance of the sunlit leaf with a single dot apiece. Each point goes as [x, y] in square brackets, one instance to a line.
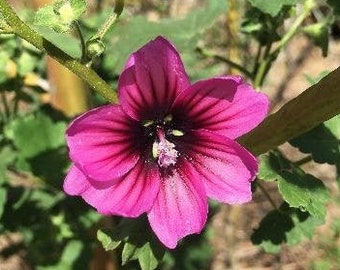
[304, 191]
[67, 43]
[147, 257]
[42, 132]
[107, 242]
[183, 32]
[139, 242]
[322, 142]
[272, 7]
[130, 252]
[60, 15]
[304, 226]
[269, 167]
[286, 225]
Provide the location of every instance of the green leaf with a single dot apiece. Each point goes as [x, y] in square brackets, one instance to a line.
[272, 7]
[71, 253]
[69, 10]
[333, 125]
[106, 240]
[67, 43]
[298, 189]
[304, 191]
[26, 63]
[285, 225]
[3, 200]
[272, 230]
[139, 242]
[147, 257]
[3, 23]
[335, 4]
[183, 32]
[322, 142]
[130, 252]
[7, 156]
[148, 253]
[60, 15]
[269, 167]
[49, 165]
[43, 134]
[304, 226]
[261, 26]
[46, 16]
[319, 33]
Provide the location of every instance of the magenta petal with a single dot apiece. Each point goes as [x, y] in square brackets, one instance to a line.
[180, 208]
[133, 195]
[153, 77]
[226, 167]
[224, 105]
[75, 181]
[104, 143]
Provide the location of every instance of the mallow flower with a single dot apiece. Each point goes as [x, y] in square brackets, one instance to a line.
[167, 146]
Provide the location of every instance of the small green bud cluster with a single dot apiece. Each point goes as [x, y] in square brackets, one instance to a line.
[61, 15]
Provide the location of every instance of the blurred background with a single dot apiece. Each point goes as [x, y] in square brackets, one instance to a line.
[41, 228]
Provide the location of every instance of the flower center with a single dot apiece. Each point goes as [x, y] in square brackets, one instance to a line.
[164, 150]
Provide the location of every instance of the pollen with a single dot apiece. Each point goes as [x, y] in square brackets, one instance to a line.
[164, 151]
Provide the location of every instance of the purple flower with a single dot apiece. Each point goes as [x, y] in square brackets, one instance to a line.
[167, 146]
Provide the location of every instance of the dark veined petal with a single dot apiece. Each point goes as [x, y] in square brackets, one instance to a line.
[225, 167]
[181, 206]
[104, 143]
[224, 105]
[153, 77]
[131, 196]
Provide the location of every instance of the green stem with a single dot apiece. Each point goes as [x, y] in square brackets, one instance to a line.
[269, 57]
[257, 60]
[25, 32]
[232, 64]
[105, 27]
[109, 21]
[6, 113]
[294, 28]
[264, 67]
[82, 41]
[266, 194]
[303, 161]
[315, 105]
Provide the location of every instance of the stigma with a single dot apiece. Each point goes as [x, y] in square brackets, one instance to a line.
[164, 151]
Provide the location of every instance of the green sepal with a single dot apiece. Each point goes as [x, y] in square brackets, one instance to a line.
[60, 15]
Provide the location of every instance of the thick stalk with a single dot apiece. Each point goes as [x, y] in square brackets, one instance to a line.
[315, 105]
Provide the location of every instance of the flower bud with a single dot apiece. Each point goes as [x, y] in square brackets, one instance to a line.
[94, 48]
